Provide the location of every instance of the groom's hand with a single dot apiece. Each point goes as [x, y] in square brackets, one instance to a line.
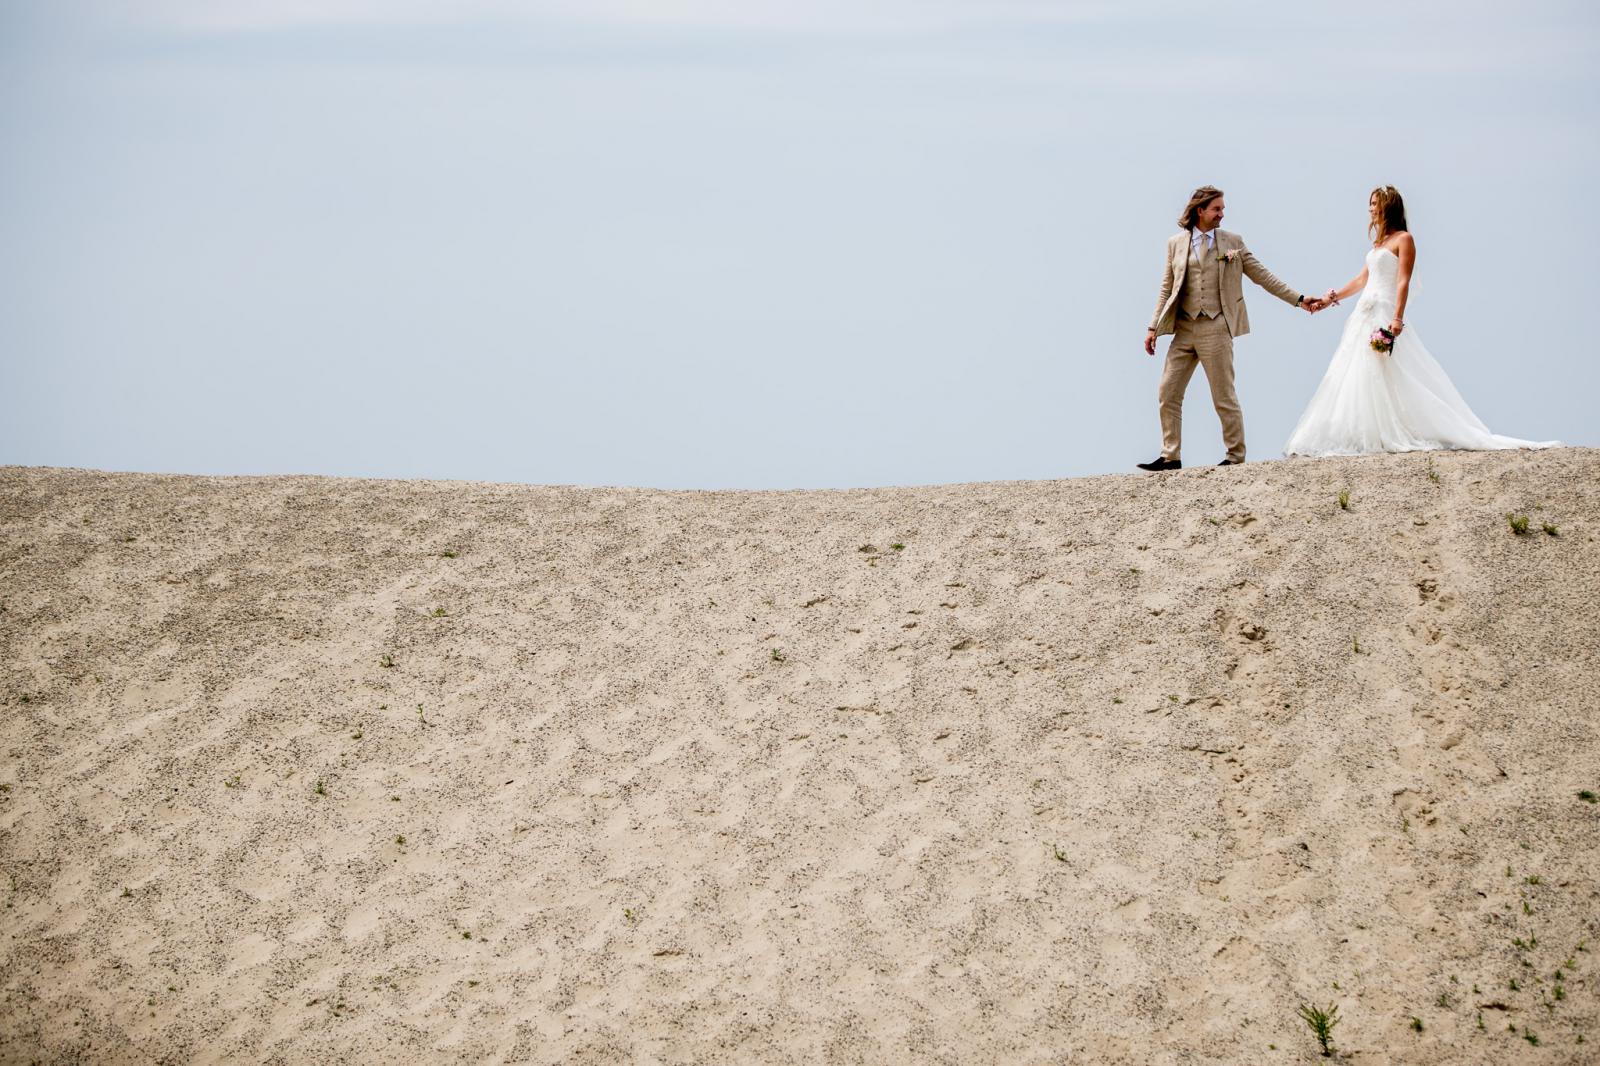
[1150, 341]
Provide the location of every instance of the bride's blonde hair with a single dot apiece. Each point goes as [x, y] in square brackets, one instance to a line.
[1391, 213]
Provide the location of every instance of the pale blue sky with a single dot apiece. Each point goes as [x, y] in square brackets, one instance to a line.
[684, 243]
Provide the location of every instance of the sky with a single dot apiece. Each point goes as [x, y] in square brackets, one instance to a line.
[757, 245]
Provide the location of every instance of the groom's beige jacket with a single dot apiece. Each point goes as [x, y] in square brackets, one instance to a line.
[1230, 289]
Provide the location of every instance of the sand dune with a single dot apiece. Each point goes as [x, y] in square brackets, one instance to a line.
[1113, 770]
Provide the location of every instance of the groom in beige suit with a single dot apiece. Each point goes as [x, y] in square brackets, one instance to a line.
[1202, 306]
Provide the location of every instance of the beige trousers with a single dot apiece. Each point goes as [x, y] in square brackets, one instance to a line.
[1206, 342]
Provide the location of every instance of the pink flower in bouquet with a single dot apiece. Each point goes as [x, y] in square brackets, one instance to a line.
[1382, 340]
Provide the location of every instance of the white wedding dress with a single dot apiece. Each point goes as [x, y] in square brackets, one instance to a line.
[1399, 402]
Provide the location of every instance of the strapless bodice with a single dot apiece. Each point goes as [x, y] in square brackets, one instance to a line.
[1383, 282]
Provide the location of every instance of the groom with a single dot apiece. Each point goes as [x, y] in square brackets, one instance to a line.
[1202, 306]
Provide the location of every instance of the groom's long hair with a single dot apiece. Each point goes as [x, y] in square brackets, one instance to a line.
[1202, 196]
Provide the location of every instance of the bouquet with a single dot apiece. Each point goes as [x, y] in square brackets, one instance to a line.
[1382, 340]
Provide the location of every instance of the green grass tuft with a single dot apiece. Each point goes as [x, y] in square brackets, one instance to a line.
[1321, 1022]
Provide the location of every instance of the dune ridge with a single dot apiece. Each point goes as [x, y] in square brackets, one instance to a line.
[1117, 769]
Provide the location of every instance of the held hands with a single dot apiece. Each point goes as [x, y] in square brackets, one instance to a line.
[1323, 302]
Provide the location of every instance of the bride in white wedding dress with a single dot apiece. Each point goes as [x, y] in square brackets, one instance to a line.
[1399, 401]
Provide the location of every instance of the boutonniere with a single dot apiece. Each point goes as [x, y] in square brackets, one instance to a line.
[1229, 256]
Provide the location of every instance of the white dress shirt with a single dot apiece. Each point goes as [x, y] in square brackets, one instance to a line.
[1197, 237]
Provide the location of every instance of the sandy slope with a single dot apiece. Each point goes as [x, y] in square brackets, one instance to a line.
[1109, 770]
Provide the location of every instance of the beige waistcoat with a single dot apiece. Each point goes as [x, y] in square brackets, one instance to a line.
[1200, 292]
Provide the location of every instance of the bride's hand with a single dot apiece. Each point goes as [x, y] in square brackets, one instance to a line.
[1332, 297]
[1396, 326]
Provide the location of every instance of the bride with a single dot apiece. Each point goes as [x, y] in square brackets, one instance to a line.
[1395, 401]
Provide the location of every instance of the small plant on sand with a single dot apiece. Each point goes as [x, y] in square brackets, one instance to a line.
[422, 719]
[1060, 855]
[1433, 475]
[127, 893]
[1587, 795]
[232, 782]
[777, 656]
[401, 840]
[1530, 1036]
[1550, 529]
[1416, 1024]
[386, 660]
[898, 547]
[1321, 1022]
[358, 734]
[438, 612]
[320, 790]
[449, 554]
[1518, 523]
[1443, 1001]
[1344, 499]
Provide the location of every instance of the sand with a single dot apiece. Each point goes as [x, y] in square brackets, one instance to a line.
[1109, 770]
